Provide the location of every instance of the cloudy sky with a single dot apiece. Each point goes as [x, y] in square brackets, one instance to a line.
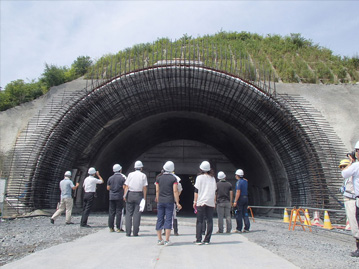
[33, 33]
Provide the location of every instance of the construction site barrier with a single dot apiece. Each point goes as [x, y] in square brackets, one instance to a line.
[295, 217]
[250, 209]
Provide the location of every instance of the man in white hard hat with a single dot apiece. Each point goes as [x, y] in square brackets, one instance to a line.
[89, 186]
[224, 199]
[352, 170]
[135, 191]
[66, 201]
[115, 186]
[241, 202]
[204, 202]
[166, 194]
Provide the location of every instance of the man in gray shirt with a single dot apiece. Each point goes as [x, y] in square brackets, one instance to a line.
[115, 186]
[224, 197]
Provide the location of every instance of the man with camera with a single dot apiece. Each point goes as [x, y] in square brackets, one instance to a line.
[352, 170]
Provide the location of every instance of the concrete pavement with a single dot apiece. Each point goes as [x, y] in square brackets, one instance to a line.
[114, 250]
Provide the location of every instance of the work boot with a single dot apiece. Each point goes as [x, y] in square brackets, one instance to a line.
[355, 253]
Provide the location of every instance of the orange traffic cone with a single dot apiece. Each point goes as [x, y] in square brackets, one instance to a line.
[327, 223]
[286, 216]
[294, 216]
[307, 218]
[347, 227]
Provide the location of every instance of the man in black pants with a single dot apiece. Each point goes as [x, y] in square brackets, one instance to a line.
[89, 186]
[115, 185]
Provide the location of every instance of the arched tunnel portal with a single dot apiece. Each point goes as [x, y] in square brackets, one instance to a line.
[186, 114]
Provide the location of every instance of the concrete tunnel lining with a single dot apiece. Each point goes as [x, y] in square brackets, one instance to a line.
[234, 112]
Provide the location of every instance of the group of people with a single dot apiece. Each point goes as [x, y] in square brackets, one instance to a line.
[350, 190]
[132, 190]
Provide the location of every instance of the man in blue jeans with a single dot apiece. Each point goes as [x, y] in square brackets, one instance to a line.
[166, 195]
[241, 202]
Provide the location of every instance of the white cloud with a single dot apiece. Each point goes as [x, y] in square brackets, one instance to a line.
[57, 32]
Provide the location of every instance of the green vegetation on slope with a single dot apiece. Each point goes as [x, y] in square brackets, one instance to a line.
[289, 59]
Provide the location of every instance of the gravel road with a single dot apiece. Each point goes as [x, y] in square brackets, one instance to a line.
[317, 249]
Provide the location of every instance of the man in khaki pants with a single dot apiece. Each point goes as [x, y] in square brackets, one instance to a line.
[66, 187]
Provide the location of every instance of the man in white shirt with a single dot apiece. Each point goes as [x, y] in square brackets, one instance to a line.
[352, 170]
[135, 190]
[89, 186]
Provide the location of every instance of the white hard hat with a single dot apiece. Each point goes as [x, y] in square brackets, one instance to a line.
[205, 166]
[221, 175]
[239, 172]
[357, 145]
[138, 164]
[169, 166]
[92, 170]
[117, 167]
[68, 173]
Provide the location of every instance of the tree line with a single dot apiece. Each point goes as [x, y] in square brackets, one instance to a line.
[19, 91]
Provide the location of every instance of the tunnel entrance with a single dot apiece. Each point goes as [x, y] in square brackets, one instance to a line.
[186, 155]
[186, 114]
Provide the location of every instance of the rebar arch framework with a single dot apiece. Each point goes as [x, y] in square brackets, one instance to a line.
[71, 131]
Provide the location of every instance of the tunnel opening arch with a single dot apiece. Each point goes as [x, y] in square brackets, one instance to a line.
[173, 98]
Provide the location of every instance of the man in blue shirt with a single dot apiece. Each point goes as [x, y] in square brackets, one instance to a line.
[241, 202]
[66, 187]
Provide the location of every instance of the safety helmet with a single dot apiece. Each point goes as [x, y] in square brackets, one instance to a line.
[92, 171]
[169, 166]
[117, 167]
[240, 173]
[221, 175]
[205, 166]
[357, 145]
[138, 164]
[68, 174]
[344, 162]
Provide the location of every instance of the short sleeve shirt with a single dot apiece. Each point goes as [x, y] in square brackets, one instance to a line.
[180, 189]
[165, 183]
[66, 186]
[242, 185]
[116, 182]
[90, 183]
[136, 181]
[223, 191]
[206, 186]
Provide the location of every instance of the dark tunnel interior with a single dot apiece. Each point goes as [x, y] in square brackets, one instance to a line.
[225, 147]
